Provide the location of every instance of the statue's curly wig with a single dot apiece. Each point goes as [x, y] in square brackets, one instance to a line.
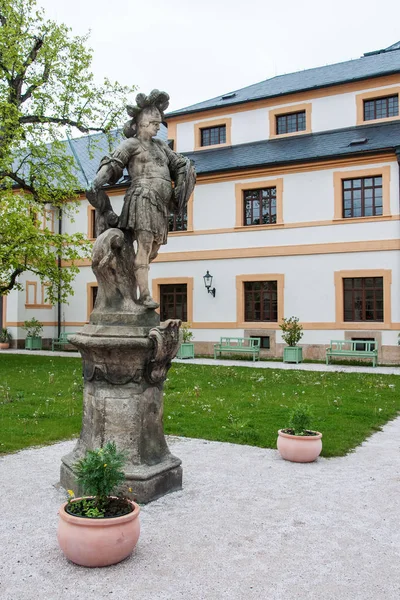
[156, 99]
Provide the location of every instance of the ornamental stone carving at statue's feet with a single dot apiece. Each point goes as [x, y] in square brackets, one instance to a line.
[126, 352]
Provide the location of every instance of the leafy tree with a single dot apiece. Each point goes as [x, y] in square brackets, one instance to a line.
[47, 92]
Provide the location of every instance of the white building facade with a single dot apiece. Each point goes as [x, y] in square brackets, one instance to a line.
[295, 213]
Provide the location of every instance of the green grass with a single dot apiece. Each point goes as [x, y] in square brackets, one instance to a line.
[41, 402]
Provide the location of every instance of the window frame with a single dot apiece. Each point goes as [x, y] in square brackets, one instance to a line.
[259, 199]
[270, 301]
[158, 282]
[362, 189]
[375, 95]
[340, 176]
[286, 116]
[240, 188]
[177, 294]
[89, 298]
[381, 99]
[35, 304]
[305, 107]
[91, 220]
[225, 121]
[340, 323]
[240, 300]
[363, 289]
[189, 220]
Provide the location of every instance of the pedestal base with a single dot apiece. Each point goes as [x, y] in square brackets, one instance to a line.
[143, 490]
[124, 371]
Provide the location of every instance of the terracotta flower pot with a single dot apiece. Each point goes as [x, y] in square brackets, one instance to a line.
[98, 542]
[299, 448]
[4, 345]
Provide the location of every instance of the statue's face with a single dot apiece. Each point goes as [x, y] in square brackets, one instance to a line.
[149, 123]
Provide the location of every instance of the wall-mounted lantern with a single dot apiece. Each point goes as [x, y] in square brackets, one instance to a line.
[208, 283]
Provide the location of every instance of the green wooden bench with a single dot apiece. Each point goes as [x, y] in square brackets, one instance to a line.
[238, 344]
[61, 341]
[354, 349]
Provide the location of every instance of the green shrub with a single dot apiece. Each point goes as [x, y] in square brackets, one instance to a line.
[300, 419]
[100, 471]
[292, 330]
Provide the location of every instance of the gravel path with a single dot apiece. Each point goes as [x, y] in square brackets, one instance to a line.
[246, 526]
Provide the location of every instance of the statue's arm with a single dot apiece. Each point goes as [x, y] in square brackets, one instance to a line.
[110, 171]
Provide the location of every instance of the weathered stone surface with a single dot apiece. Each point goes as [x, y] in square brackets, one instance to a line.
[126, 352]
[149, 200]
[123, 402]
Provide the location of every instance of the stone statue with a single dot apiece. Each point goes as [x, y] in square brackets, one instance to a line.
[126, 351]
[150, 199]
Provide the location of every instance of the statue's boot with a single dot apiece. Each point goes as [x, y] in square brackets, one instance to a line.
[142, 280]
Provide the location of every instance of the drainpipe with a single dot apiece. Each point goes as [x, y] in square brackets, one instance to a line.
[60, 213]
[397, 150]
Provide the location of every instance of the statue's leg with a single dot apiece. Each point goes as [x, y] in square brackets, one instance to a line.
[142, 259]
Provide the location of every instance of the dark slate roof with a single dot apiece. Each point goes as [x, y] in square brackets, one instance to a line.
[373, 64]
[266, 153]
[301, 148]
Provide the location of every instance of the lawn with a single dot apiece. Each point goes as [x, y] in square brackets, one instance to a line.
[41, 402]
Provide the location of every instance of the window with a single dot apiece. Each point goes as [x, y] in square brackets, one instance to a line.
[381, 108]
[265, 342]
[363, 298]
[93, 296]
[259, 203]
[378, 105]
[92, 224]
[361, 346]
[362, 197]
[291, 122]
[210, 136]
[178, 222]
[261, 301]
[259, 206]
[173, 301]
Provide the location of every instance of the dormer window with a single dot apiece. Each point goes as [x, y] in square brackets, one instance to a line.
[291, 122]
[211, 136]
[381, 108]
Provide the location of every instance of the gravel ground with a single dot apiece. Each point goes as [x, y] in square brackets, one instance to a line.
[247, 525]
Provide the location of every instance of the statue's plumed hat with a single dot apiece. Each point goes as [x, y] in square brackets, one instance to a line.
[155, 99]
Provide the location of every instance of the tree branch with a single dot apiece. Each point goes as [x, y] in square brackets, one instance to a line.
[34, 86]
[13, 277]
[59, 121]
[23, 184]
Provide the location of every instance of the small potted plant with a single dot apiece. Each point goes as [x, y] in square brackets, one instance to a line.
[5, 338]
[101, 528]
[186, 349]
[300, 443]
[33, 329]
[292, 332]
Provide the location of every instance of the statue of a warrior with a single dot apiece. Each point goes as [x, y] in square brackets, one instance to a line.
[151, 196]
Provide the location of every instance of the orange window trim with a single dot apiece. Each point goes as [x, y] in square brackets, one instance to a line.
[227, 121]
[255, 185]
[375, 95]
[240, 281]
[288, 110]
[156, 283]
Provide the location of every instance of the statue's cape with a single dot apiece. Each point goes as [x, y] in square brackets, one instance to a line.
[184, 185]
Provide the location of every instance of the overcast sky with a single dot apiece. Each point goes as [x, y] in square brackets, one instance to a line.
[195, 50]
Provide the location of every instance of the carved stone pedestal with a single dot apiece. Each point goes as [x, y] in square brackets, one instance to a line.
[125, 368]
